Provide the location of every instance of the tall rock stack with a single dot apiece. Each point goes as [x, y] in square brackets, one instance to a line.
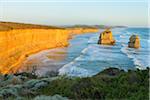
[106, 38]
[134, 42]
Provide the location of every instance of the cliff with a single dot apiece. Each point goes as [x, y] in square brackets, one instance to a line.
[134, 42]
[82, 30]
[16, 45]
[106, 38]
[18, 41]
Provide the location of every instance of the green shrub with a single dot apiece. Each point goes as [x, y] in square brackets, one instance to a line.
[105, 85]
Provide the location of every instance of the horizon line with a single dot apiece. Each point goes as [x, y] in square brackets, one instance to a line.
[21, 22]
[77, 1]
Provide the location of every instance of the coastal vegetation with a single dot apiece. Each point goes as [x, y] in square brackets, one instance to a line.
[111, 83]
[6, 26]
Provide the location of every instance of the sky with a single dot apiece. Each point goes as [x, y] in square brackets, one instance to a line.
[70, 12]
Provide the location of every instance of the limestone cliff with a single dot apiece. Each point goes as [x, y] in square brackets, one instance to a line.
[16, 45]
[19, 40]
[106, 38]
[134, 42]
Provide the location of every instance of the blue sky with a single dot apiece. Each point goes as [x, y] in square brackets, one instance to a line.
[70, 12]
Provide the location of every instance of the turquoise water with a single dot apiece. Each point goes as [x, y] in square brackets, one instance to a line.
[85, 57]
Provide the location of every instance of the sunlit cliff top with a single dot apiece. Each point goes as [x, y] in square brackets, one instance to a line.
[5, 26]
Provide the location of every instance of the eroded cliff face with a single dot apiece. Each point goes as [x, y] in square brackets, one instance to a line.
[106, 38]
[17, 44]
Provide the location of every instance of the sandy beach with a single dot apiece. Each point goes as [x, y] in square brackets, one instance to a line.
[45, 61]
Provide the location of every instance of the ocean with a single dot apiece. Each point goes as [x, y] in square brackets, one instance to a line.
[84, 57]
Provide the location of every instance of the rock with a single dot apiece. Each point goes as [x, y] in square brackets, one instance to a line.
[134, 42]
[106, 38]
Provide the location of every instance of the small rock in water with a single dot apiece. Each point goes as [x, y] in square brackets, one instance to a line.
[134, 42]
[106, 38]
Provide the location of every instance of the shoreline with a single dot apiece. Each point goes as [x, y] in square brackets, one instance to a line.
[61, 41]
[38, 59]
[44, 61]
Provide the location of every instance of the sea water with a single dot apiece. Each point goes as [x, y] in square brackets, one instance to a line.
[86, 58]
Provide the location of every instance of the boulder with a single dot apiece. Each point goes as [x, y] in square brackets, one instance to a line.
[134, 42]
[106, 38]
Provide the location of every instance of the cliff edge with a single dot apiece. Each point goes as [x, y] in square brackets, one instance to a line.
[18, 41]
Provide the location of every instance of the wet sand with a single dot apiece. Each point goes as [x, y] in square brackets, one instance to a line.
[45, 61]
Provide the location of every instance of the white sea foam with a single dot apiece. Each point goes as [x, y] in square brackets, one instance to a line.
[90, 53]
[84, 50]
[129, 54]
[122, 36]
[93, 39]
[72, 69]
[79, 58]
[128, 33]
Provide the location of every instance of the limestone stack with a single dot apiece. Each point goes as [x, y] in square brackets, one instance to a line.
[134, 42]
[106, 38]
